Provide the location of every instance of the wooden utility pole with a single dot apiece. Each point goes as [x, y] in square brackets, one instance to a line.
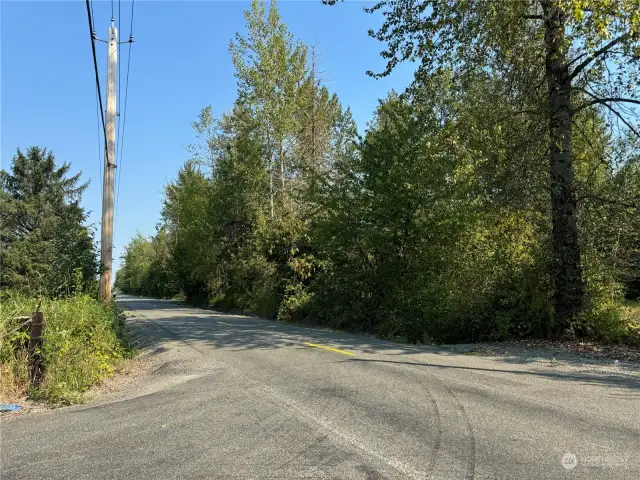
[106, 238]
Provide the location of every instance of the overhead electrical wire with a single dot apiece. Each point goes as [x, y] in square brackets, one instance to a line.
[100, 152]
[93, 25]
[95, 68]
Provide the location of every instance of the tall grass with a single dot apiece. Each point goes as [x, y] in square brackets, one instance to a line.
[83, 341]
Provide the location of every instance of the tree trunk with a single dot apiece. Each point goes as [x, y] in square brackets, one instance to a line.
[567, 270]
[281, 154]
[313, 110]
[271, 185]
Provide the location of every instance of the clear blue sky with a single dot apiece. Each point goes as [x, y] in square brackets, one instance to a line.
[179, 64]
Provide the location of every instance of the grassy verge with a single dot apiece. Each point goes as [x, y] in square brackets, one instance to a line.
[83, 343]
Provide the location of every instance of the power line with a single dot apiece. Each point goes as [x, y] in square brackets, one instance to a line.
[95, 68]
[100, 153]
[131, 28]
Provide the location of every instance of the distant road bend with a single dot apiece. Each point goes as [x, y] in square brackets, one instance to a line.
[235, 397]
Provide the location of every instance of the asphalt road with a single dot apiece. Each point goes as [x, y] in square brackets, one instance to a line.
[240, 397]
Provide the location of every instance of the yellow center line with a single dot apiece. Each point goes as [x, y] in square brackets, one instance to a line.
[344, 352]
[228, 324]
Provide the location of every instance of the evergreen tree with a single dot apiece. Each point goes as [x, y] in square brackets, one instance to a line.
[46, 246]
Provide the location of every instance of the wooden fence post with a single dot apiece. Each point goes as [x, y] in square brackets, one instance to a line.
[35, 342]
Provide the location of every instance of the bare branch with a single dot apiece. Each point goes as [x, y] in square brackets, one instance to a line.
[602, 160]
[613, 110]
[513, 114]
[623, 120]
[597, 53]
[584, 54]
[610, 201]
[605, 100]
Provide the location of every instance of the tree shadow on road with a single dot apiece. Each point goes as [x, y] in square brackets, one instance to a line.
[212, 329]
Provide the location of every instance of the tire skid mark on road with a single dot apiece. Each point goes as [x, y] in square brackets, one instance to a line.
[437, 442]
[442, 469]
[471, 458]
[443, 462]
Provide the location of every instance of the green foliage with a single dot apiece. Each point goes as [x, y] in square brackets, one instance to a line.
[608, 322]
[82, 344]
[585, 51]
[434, 226]
[44, 238]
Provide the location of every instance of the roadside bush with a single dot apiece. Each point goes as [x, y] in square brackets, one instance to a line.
[83, 342]
[609, 322]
